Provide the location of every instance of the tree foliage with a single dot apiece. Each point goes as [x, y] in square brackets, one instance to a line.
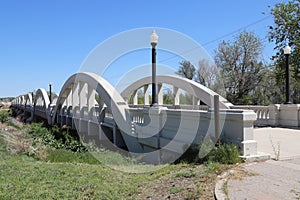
[241, 67]
[209, 75]
[286, 29]
[187, 70]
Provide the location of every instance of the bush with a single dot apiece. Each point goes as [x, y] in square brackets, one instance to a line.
[224, 154]
[4, 116]
[208, 152]
[55, 138]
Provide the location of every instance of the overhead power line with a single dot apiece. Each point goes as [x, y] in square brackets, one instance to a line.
[219, 38]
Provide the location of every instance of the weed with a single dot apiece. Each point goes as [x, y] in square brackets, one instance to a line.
[10, 123]
[225, 188]
[194, 194]
[187, 173]
[176, 189]
[276, 150]
[212, 166]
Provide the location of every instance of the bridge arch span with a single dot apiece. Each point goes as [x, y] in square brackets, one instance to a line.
[79, 91]
[28, 100]
[201, 92]
[42, 105]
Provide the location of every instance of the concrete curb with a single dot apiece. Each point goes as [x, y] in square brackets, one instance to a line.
[219, 187]
[223, 178]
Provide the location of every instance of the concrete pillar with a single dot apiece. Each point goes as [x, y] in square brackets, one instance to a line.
[146, 95]
[196, 102]
[91, 102]
[160, 99]
[289, 115]
[101, 109]
[273, 115]
[135, 98]
[82, 95]
[69, 98]
[176, 95]
[75, 100]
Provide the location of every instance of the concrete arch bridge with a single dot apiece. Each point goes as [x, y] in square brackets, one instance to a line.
[92, 106]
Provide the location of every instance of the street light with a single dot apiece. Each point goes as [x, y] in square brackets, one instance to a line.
[50, 92]
[153, 41]
[287, 52]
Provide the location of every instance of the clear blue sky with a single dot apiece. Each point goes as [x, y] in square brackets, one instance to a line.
[47, 41]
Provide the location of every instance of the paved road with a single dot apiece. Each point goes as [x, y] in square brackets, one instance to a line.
[288, 141]
[273, 179]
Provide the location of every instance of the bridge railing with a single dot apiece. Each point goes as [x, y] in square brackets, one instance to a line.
[262, 113]
[170, 106]
[287, 115]
[137, 116]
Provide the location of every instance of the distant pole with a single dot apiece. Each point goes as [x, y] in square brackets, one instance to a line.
[287, 52]
[50, 92]
[217, 118]
[153, 41]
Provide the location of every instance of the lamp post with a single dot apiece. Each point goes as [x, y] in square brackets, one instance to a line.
[153, 41]
[287, 52]
[50, 92]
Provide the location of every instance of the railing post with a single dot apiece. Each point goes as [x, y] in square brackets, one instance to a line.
[273, 115]
[217, 118]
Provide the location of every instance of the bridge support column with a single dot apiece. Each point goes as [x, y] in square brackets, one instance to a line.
[135, 98]
[196, 102]
[176, 96]
[75, 105]
[82, 98]
[160, 99]
[146, 95]
[91, 103]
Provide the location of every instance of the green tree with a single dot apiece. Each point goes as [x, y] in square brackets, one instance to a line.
[286, 29]
[187, 70]
[209, 75]
[241, 67]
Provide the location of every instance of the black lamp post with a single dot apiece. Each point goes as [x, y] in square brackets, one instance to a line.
[153, 41]
[287, 52]
[50, 92]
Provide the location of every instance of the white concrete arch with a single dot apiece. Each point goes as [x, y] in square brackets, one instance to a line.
[41, 104]
[80, 89]
[22, 99]
[28, 99]
[201, 92]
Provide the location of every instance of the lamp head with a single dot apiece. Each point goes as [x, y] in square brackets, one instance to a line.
[287, 49]
[153, 38]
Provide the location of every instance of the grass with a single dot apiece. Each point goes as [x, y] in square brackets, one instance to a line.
[176, 189]
[65, 174]
[23, 177]
[63, 155]
[50, 173]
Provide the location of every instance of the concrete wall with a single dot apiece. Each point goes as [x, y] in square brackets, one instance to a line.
[175, 130]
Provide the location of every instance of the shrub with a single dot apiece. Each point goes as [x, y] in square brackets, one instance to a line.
[225, 154]
[4, 116]
[208, 152]
[55, 137]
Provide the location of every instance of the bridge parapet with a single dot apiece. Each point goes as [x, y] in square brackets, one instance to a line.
[286, 115]
[181, 127]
